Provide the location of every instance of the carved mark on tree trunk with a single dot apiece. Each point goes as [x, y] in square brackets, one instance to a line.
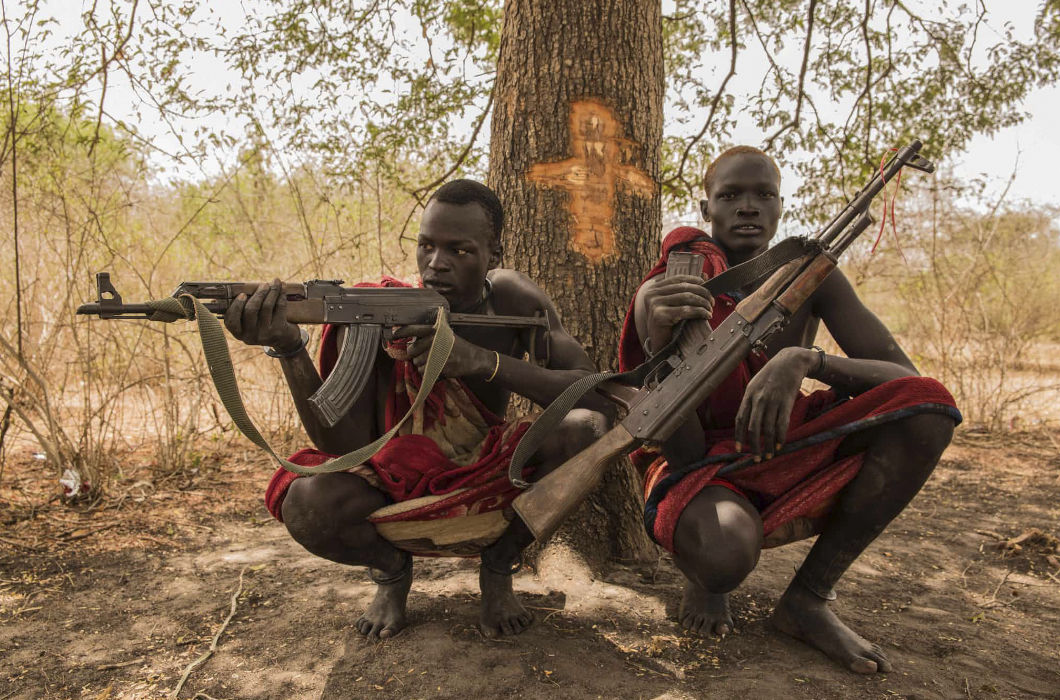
[599, 163]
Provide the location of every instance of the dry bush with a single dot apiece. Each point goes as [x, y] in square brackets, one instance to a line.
[89, 392]
[973, 289]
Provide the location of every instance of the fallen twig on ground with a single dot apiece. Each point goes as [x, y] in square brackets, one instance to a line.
[123, 664]
[213, 645]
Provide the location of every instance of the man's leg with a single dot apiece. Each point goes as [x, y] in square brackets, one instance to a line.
[716, 545]
[327, 514]
[898, 460]
[502, 613]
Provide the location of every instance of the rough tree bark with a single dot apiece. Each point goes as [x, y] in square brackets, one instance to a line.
[574, 156]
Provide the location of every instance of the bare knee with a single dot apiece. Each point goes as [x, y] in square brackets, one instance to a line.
[320, 510]
[578, 429]
[928, 434]
[718, 539]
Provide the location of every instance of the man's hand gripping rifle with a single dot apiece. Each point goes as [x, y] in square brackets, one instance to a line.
[369, 314]
[699, 358]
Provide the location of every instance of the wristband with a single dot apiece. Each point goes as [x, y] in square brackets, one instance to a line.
[820, 359]
[495, 367]
[273, 352]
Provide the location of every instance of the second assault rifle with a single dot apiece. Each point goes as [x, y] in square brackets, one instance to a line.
[369, 314]
[701, 359]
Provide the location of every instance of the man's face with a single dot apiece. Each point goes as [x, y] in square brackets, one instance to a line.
[743, 204]
[454, 250]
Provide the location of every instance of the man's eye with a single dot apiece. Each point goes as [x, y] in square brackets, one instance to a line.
[767, 195]
[461, 251]
[725, 196]
[426, 246]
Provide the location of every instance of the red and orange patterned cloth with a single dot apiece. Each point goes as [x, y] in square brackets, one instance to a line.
[793, 492]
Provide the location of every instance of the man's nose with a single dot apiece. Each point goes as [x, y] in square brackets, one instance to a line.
[438, 261]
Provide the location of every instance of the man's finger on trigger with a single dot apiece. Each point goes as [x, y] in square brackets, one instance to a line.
[413, 331]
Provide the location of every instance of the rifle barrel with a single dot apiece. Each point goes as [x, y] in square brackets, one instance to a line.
[861, 201]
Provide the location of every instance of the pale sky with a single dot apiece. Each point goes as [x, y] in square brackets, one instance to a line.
[1033, 145]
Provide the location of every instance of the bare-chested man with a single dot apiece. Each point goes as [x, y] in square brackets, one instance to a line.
[458, 445]
[847, 488]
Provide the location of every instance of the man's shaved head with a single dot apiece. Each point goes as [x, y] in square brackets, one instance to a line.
[708, 177]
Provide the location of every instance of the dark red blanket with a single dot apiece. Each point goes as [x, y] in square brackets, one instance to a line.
[798, 485]
[412, 465]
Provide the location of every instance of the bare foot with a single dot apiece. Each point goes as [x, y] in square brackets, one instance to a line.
[501, 613]
[806, 617]
[703, 612]
[385, 616]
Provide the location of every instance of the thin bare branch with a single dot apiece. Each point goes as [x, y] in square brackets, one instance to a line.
[800, 90]
[679, 176]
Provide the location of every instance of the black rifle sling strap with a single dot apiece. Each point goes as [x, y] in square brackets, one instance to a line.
[732, 279]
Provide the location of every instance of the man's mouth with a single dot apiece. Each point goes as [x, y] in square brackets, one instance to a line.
[747, 229]
[437, 285]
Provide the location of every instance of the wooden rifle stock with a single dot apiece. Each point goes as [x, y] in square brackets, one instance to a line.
[550, 500]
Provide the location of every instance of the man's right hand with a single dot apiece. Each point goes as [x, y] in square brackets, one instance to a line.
[261, 319]
[672, 300]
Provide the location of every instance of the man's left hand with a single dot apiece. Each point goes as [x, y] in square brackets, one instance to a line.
[465, 359]
[762, 421]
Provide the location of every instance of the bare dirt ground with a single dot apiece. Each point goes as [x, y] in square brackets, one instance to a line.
[963, 591]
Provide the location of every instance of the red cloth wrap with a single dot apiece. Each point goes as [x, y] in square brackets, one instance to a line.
[410, 466]
[801, 484]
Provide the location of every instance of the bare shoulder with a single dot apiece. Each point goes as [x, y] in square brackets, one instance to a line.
[516, 294]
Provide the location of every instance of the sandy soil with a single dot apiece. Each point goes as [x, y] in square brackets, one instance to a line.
[115, 602]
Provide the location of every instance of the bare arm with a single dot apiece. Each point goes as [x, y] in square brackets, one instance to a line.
[567, 363]
[873, 355]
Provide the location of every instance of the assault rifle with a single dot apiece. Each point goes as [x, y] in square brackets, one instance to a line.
[701, 358]
[369, 314]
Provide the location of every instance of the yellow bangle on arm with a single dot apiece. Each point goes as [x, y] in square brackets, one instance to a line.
[496, 367]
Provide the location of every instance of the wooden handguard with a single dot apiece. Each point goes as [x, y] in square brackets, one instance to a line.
[548, 502]
[806, 284]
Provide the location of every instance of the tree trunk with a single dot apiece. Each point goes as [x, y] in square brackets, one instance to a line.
[574, 157]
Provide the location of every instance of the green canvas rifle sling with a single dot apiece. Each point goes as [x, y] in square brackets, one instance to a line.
[219, 360]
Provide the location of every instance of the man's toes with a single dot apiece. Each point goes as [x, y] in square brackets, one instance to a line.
[695, 624]
[722, 628]
[526, 618]
[362, 625]
[863, 665]
[506, 627]
[883, 664]
[386, 633]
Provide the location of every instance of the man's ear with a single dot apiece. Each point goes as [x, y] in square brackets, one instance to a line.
[782, 207]
[704, 209]
[496, 254]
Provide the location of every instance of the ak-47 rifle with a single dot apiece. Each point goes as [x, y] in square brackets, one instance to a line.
[369, 314]
[703, 358]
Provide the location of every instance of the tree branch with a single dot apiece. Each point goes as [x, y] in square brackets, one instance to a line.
[734, 50]
[800, 94]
